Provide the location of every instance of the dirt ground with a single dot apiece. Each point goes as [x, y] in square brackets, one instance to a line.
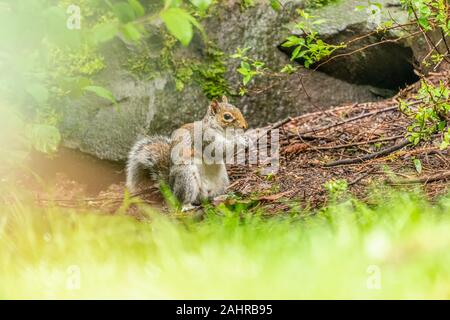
[364, 144]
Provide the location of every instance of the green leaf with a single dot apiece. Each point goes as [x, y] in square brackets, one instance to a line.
[139, 10]
[245, 65]
[258, 64]
[196, 24]
[101, 92]
[171, 4]
[423, 22]
[130, 32]
[45, 138]
[289, 69]
[247, 79]
[295, 53]
[276, 5]
[293, 41]
[243, 71]
[124, 11]
[201, 4]
[104, 32]
[388, 24]
[178, 22]
[418, 165]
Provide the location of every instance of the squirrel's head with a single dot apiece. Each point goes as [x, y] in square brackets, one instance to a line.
[226, 115]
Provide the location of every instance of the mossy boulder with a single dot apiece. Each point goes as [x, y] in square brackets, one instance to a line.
[156, 95]
[144, 106]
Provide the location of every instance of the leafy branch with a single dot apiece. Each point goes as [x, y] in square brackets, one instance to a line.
[430, 113]
[308, 47]
[48, 62]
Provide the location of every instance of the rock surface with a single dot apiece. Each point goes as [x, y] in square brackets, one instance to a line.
[154, 105]
[100, 128]
[144, 107]
[263, 30]
[388, 65]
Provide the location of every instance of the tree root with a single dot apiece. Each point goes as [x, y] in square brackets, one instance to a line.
[371, 156]
[437, 177]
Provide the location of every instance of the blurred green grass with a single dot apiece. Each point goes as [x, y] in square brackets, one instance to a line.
[396, 249]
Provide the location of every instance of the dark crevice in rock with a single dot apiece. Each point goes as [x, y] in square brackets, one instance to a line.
[389, 66]
[386, 66]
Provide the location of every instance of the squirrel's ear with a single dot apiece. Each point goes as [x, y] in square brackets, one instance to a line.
[214, 107]
[224, 99]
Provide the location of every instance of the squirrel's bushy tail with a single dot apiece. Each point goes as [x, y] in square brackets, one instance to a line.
[149, 159]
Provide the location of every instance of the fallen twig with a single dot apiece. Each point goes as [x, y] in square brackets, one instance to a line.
[374, 155]
[343, 146]
[437, 177]
[362, 176]
[361, 116]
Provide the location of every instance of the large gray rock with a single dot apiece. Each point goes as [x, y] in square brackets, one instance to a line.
[98, 127]
[388, 58]
[144, 107]
[152, 104]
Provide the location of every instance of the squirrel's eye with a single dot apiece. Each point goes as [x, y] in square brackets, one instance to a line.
[227, 117]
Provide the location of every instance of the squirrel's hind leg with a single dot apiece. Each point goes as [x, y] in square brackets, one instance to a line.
[185, 184]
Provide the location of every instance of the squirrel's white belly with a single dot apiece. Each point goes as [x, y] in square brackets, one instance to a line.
[214, 180]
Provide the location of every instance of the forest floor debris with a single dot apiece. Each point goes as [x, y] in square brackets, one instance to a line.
[361, 144]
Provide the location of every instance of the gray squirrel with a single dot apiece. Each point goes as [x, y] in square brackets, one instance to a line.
[177, 162]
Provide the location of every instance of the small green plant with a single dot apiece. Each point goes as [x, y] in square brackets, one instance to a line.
[289, 69]
[429, 112]
[431, 15]
[249, 67]
[245, 4]
[336, 186]
[211, 74]
[276, 5]
[318, 3]
[183, 76]
[308, 47]
[170, 199]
